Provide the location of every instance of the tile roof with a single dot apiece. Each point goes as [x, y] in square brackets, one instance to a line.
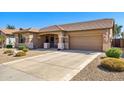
[8, 31]
[89, 25]
[52, 28]
[27, 30]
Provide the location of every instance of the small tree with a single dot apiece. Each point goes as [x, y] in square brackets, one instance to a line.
[117, 30]
[10, 27]
[2, 39]
[122, 34]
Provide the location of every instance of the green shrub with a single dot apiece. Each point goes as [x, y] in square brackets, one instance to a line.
[114, 52]
[20, 53]
[25, 50]
[21, 47]
[113, 64]
[8, 52]
[9, 46]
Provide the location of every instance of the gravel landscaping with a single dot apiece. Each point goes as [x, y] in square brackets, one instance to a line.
[5, 58]
[93, 72]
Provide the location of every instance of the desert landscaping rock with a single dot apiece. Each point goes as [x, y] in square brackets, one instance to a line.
[93, 72]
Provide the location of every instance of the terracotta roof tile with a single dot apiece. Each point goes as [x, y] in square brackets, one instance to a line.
[96, 24]
[50, 28]
[8, 31]
[27, 30]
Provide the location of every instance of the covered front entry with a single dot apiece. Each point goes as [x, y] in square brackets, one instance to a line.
[51, 41]
[48, 41]
[58, 40]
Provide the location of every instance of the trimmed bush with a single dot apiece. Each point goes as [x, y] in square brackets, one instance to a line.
[114, 52]
[8, 52]
[20, 53]
[21, 47]
[113, 64]
[9, 46]
[25, 50]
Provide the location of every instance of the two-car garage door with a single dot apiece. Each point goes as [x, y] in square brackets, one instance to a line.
[89, 42]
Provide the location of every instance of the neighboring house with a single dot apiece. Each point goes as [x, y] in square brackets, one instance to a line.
[92, 35]
[8, 33]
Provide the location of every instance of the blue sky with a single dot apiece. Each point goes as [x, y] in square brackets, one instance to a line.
[42, 19]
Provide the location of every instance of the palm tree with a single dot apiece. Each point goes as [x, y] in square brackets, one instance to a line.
[122, 34]
[10, 27]
[117, 30]
[2, 39]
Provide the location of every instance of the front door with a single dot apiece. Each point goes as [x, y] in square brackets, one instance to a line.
[52, 42]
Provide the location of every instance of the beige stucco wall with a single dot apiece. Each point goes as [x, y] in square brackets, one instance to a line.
[38, 40]
[98, 40]
[16, 37]
[28, 39]
[107, 39]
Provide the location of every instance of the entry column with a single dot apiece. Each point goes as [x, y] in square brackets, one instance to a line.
[61, 41]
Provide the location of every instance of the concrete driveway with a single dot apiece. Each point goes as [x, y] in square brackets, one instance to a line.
[55, 65]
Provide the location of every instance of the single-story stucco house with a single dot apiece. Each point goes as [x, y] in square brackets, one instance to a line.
[9, 36]
[93, 35]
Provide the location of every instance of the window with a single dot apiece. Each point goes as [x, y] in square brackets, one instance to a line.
[21, 38]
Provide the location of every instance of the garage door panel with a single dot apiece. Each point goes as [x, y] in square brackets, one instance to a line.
[86, 42]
